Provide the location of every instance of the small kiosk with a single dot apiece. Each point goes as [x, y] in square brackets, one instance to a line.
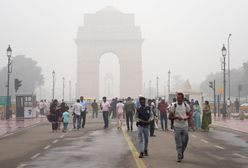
[25, 106]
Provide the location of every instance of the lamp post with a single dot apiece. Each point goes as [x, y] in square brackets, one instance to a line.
[9, 53]
[212, 86]
[150, 89]
[169, 73]
[239, 89]
[228, 54]
[69, 90]
[224, 79]
[63, 92]
[157, 86]
[53, 74]
[144, 89]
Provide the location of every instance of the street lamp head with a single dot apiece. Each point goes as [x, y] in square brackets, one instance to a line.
[229, 35]
[169, 71]
[53, 73]
[223, 51]
[9, 51]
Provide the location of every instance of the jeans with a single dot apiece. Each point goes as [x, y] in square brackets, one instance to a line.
[163, 120]
[95, 112]
[83, 117]
[152, 128]
[105, 118]
[181, 138]
[76, 121]
[65, 126]
[54, 120]
[54, 125]
[142, 138]
[42, 111]
[129, 116]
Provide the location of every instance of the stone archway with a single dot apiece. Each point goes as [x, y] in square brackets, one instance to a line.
[109, 30]
[108, 86]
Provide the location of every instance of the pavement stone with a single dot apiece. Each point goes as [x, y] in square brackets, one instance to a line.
[231, 123]
[14, 124]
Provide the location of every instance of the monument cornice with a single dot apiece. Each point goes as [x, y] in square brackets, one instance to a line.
[119, 40]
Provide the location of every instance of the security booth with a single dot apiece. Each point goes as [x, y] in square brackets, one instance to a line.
[25, 106]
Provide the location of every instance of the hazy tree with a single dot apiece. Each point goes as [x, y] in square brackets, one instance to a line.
[245, 66]
[238, 77]
[245, 78]
[26, 70]
[177, 82]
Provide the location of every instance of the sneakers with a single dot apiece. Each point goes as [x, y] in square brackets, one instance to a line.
[180, 157]
[146, 153]
[141, 155]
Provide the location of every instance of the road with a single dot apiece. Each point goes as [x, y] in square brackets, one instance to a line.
[93, 146]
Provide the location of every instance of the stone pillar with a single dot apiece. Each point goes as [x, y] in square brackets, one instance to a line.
[87, 74]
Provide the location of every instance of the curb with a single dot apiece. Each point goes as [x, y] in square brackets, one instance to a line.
[216, 125]
[19, 130]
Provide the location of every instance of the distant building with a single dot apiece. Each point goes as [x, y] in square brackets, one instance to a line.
[109, 30]
[188, 92]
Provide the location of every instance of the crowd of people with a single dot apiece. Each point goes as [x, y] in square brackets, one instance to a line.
[184, 116]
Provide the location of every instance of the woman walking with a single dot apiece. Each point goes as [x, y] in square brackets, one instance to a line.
[54, 116]
[197, 115]
[206, 118]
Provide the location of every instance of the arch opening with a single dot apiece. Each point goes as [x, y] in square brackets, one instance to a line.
[109, 75]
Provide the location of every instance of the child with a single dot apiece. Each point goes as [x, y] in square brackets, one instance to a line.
[65, 119]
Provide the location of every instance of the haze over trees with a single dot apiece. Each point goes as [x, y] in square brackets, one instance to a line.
[238, 77]
[26, 70]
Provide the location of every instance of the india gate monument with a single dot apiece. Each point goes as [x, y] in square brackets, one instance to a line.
[109, 30]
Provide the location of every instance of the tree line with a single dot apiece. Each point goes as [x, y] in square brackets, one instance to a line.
[238, 77]
[24, 69]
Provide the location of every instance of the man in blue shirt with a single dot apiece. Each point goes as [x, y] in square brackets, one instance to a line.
[143, 118]
[84, 110]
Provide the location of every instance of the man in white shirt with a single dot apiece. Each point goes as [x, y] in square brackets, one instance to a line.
[105, 111]
[180, 113]
[76, 110]
[41, 107]
[119, 113]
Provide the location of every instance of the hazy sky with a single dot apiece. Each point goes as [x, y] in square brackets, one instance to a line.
[185, 36]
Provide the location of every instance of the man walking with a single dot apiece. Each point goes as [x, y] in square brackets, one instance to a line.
[162, 106]
[174, 100]
[237, 105]
[105, 111]
[94, 106]
[41, 107]
[84, 110]
[151, 104]
[113, 107]
[76, 110]
[180, 113]
[129, 110]
[143, 118]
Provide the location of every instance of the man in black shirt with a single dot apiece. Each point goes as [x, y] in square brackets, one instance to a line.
[143, 117]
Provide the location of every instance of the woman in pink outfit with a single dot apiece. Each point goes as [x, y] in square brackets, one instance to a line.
[120, 111]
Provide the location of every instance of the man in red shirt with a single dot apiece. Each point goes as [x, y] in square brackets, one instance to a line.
[162, 106]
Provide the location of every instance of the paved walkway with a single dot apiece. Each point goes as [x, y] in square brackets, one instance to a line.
[235, 124]
[13, 124]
